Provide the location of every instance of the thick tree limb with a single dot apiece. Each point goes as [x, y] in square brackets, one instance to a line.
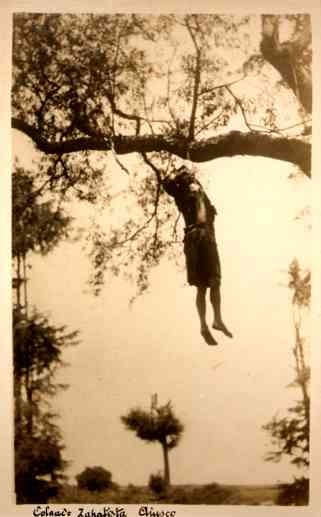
[231, 144]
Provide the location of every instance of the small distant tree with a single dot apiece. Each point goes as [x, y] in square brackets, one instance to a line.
[158, 425]
[291, 433]
[94, 479]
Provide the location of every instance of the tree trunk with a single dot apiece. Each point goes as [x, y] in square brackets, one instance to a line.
[19, 279]
[18, 376]
[25, 292]
[29, 393]
[166, 463]
[286, 57]
[301, 372]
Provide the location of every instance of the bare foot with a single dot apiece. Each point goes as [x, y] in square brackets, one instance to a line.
[208, 336]
[220, 326]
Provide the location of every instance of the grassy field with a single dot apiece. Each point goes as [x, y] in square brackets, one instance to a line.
[213, 494]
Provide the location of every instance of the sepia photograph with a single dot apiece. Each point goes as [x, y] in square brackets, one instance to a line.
[162, 258]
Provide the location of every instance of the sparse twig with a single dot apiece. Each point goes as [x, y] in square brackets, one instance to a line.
[220, 86]
[240, 105]
[158, 174]
[197, 80]
[174, 233]
[156, 170]
[208, 124]
[117, 160]
[170, 109]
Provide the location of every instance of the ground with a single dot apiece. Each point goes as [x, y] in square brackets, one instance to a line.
[212, 493]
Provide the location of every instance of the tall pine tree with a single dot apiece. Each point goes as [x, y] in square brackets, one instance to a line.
[291, 433]
[37, 227]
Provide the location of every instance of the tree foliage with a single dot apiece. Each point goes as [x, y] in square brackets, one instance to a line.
[90, 77]
[38, 455]
[300, 284]
[294, 494]
[164, 426]
[90, 88]
[290, 436]
[36, 226]
[94, 479]
[38, 348]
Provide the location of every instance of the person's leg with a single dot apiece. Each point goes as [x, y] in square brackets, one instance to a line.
[192, 254]
[215, 297]
[201, 309]
[201, 305]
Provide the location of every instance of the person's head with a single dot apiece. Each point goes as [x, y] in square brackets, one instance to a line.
[178, 180]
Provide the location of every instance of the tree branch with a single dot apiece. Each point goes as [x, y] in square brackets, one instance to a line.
[170, 109]
[233, 143]
[158, 174]
[240, 105]
[206, 91]
[210, 122]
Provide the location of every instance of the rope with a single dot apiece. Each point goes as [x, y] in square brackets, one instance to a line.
[112, 147]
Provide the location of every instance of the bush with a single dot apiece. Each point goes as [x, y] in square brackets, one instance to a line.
[157, 483]
[94, 479]
[31, 490]
[294, 494]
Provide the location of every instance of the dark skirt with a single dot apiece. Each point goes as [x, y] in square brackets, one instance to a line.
[202, 258]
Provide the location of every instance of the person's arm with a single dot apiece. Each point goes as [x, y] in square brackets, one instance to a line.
[201, 209]
[169, 185]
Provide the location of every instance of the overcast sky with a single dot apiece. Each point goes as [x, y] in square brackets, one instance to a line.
[222, 394]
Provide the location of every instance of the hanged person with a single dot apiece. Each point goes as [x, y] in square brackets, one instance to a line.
[200, 248]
